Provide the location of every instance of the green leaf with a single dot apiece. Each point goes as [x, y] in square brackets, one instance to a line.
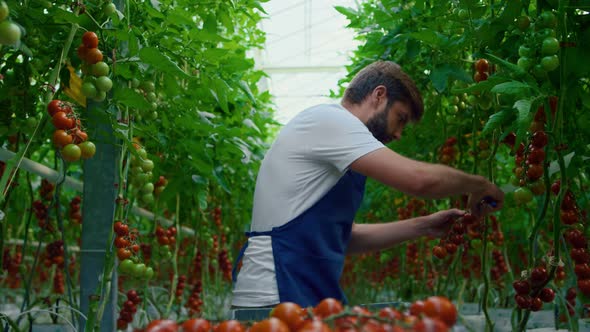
[130, 98]
[514, 87]
[441, 74]
[60, 16]
[512, 67]
[429, 37]
[257, 5]
[157, 59]
[218, 175]
[497, 120]
[347, 11]
[246, 88]
[202, 199]
[554, 165]
[524, 118]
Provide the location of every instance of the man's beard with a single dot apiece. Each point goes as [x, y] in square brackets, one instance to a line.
[377, 125]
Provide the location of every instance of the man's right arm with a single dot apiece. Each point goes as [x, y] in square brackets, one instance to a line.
[423, 179]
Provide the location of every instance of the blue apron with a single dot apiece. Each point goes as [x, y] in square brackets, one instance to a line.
[309, 250]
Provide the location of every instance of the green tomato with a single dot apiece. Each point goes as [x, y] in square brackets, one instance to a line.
[88, 149]
[9, 33]
[89, 90]
[134, 83]
[539, 72]
[142, 178]
[100, 96]
[545, 33]
[525, 51]
[524, 63]
[126, 267]
[109, 9]
[550, 62]
[463, 14]
[4, 11]
[147, 198]
[100, 69]
[147, 188]
[550, 46]
[142, 153]
[148, 86]
[104, 83]
[147, 165]
[152, 115]
[151, 96]
[523, 195]
[31, 122]
[548, 19]
[149, 273]
[523, 22]
[139, 270]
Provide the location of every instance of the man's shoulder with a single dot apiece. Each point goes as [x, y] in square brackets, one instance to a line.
[324, 113]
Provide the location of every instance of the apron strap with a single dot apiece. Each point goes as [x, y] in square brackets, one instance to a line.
[242, 251]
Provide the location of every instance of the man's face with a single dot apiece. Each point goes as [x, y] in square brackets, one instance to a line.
[387, 124]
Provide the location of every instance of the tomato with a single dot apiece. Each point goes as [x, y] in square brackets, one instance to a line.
[271, 324]
[584, 286]
[523, 22]
[121, 242]
[550, 62]
[550, 46]
[538, 187]
[71, 153]
[314, 325]
[56, 105]
[582, 271]
[94, 55]
[536, 304]
[540, 139]
[147, 165]
[126, 266]
[9, 33]
[109, 9]
[523, 301]
[139, 270]
[525, 51]
[482, 65]
[290, 313]
[162, 325]
[61, 138]
[441, 308]
[417, 307]
[79, 135]
[439, 252]
[149, 273]
[479, 76]
[537, 125]
[568, 217]
[89, 89]
[104, 83]
[100, 69]
[123, 253]
[534, 172]
[88, 149]
[522, 287]
[524, 63]
[428, 324]
[100, 96]
[451, 248]
[148, 86]
[120, 228]
[548, 19]
[538, 276]
[90, 39]
[327, 307]
[229, 326]
[523, 195]
[580, 255]
[4, 11]
[196, 325]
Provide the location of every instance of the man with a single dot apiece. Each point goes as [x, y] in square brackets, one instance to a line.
[311, 183]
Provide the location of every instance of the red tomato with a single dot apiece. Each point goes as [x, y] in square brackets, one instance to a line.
[389, 313]
[482, 65]
[93, 56]
[61, 138]
[327, 307]
[196, 325]
[480, 76]
[314, 326]
[290, 313]
[90, 39]
[56, 105]
[62, 121]
[272, 324]
[428, 324]
[162, 325]
[229, 326]
[417, 307]
[547, 295]
[441, 308]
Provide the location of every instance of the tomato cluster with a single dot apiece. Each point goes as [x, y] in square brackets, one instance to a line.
[140, 175]
[482, 67]
[128, 310]
[166, 239]
[435, 313]
[69, 136]
[148, 90]
[9, 32]
[454, 238]
[195, 302]
[539, 51]
[127, 250]
[448, 152]
[75, 213]
[54, 254]
[530, 291]
[11, 265]
[96, 82]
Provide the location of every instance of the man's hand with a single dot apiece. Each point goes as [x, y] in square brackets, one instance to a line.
[438, 224]
[486, 201]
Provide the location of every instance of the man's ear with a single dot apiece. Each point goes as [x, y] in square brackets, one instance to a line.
[379, 93]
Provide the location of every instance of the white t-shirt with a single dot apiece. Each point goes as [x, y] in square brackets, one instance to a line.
[309, 156]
